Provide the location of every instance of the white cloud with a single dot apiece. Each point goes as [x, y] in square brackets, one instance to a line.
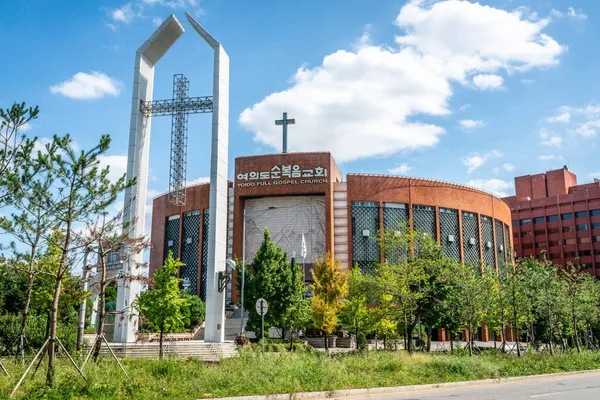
[495, 186]
[365, 39]
[471, 123]
[550, 157]
[563, 115]
[124, 14]
[576, 14]
[402, 169]
[157, 21]
[582, 121]
[476, 160]
[549, 138]
[477, 37]
[135, 10]
[379, 92]
[197, 181]
[571, 13]
[464, 107]
[509, 167]
[116, 163]
[83, 86]
[488, 82]
[527, 81]
[25, 127]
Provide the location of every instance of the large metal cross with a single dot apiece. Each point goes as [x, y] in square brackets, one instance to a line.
[285, 122]
[179, 107]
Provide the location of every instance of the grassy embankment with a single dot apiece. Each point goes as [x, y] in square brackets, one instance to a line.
[280, 373]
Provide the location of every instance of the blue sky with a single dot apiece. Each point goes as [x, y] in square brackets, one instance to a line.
[473, 93]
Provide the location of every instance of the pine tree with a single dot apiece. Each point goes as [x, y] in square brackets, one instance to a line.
[330, 284]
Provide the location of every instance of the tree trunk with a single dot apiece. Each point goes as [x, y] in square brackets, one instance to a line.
[325, 336]
[291, 339]
[428, 330]
[101, 308]
[550, 335]
[160, 346]
[575, 334]
[409, 332]
[21, 345]
[62, 267]
[470, 338]
[52, 334]
[451, 342]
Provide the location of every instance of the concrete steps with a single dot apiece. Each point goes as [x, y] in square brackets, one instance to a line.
[175, 349]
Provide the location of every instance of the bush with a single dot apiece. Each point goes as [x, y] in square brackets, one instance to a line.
[242, 340]
[361, 341]
[10, 327]
[197, 310]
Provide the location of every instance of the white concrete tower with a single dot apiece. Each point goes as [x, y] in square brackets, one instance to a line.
[146, 58]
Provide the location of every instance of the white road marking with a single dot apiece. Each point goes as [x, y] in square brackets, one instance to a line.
[545, 394]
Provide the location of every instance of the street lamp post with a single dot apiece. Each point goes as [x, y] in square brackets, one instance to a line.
[244, 258]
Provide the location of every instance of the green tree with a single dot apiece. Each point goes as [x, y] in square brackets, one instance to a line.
[82, 190]
[330, 284]
[273, 278]
[162, 304]
[410, 274]
[472, 295]
[354, 315]
[13, 146]
[513, 291]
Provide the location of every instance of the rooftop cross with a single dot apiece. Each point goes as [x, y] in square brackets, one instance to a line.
[285, 122]
[179, 107]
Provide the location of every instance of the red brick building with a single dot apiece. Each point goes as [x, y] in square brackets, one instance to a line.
[303, 197]
[551, 213]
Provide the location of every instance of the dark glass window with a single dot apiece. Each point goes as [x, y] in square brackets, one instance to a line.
[551, 218]
[515, 223]
[596, 225]
[583, 227]
[569, 228]
[553, 243]
[555, 256]
[581, 214]
[585, 253]
[553, 230]
[570, 254]
[526, 233]
[542, 245]
[595, 213]
[525, 221]
[566, 216]
[538, 220]
[595, 238]
[539, 232]
[527, 245]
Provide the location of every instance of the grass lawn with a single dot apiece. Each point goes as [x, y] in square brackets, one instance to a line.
[280, 373]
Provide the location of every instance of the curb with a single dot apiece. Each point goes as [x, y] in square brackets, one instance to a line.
[405, 389]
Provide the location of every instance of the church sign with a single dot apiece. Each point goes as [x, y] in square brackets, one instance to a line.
[282, 175]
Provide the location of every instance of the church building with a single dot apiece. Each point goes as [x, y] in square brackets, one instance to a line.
[303, 198]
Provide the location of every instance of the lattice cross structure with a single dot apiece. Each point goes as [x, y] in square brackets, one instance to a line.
[179, 107]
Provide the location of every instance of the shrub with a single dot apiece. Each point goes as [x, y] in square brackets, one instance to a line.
[197, 310]
[242, 340]
[361, 341]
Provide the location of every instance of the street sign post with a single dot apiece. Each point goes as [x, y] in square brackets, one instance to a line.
[261, 308]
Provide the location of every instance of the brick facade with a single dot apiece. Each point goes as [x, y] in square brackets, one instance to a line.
[552, 215]
[261, 176]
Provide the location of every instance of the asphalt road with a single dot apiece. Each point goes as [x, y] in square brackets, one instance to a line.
[576, 387]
